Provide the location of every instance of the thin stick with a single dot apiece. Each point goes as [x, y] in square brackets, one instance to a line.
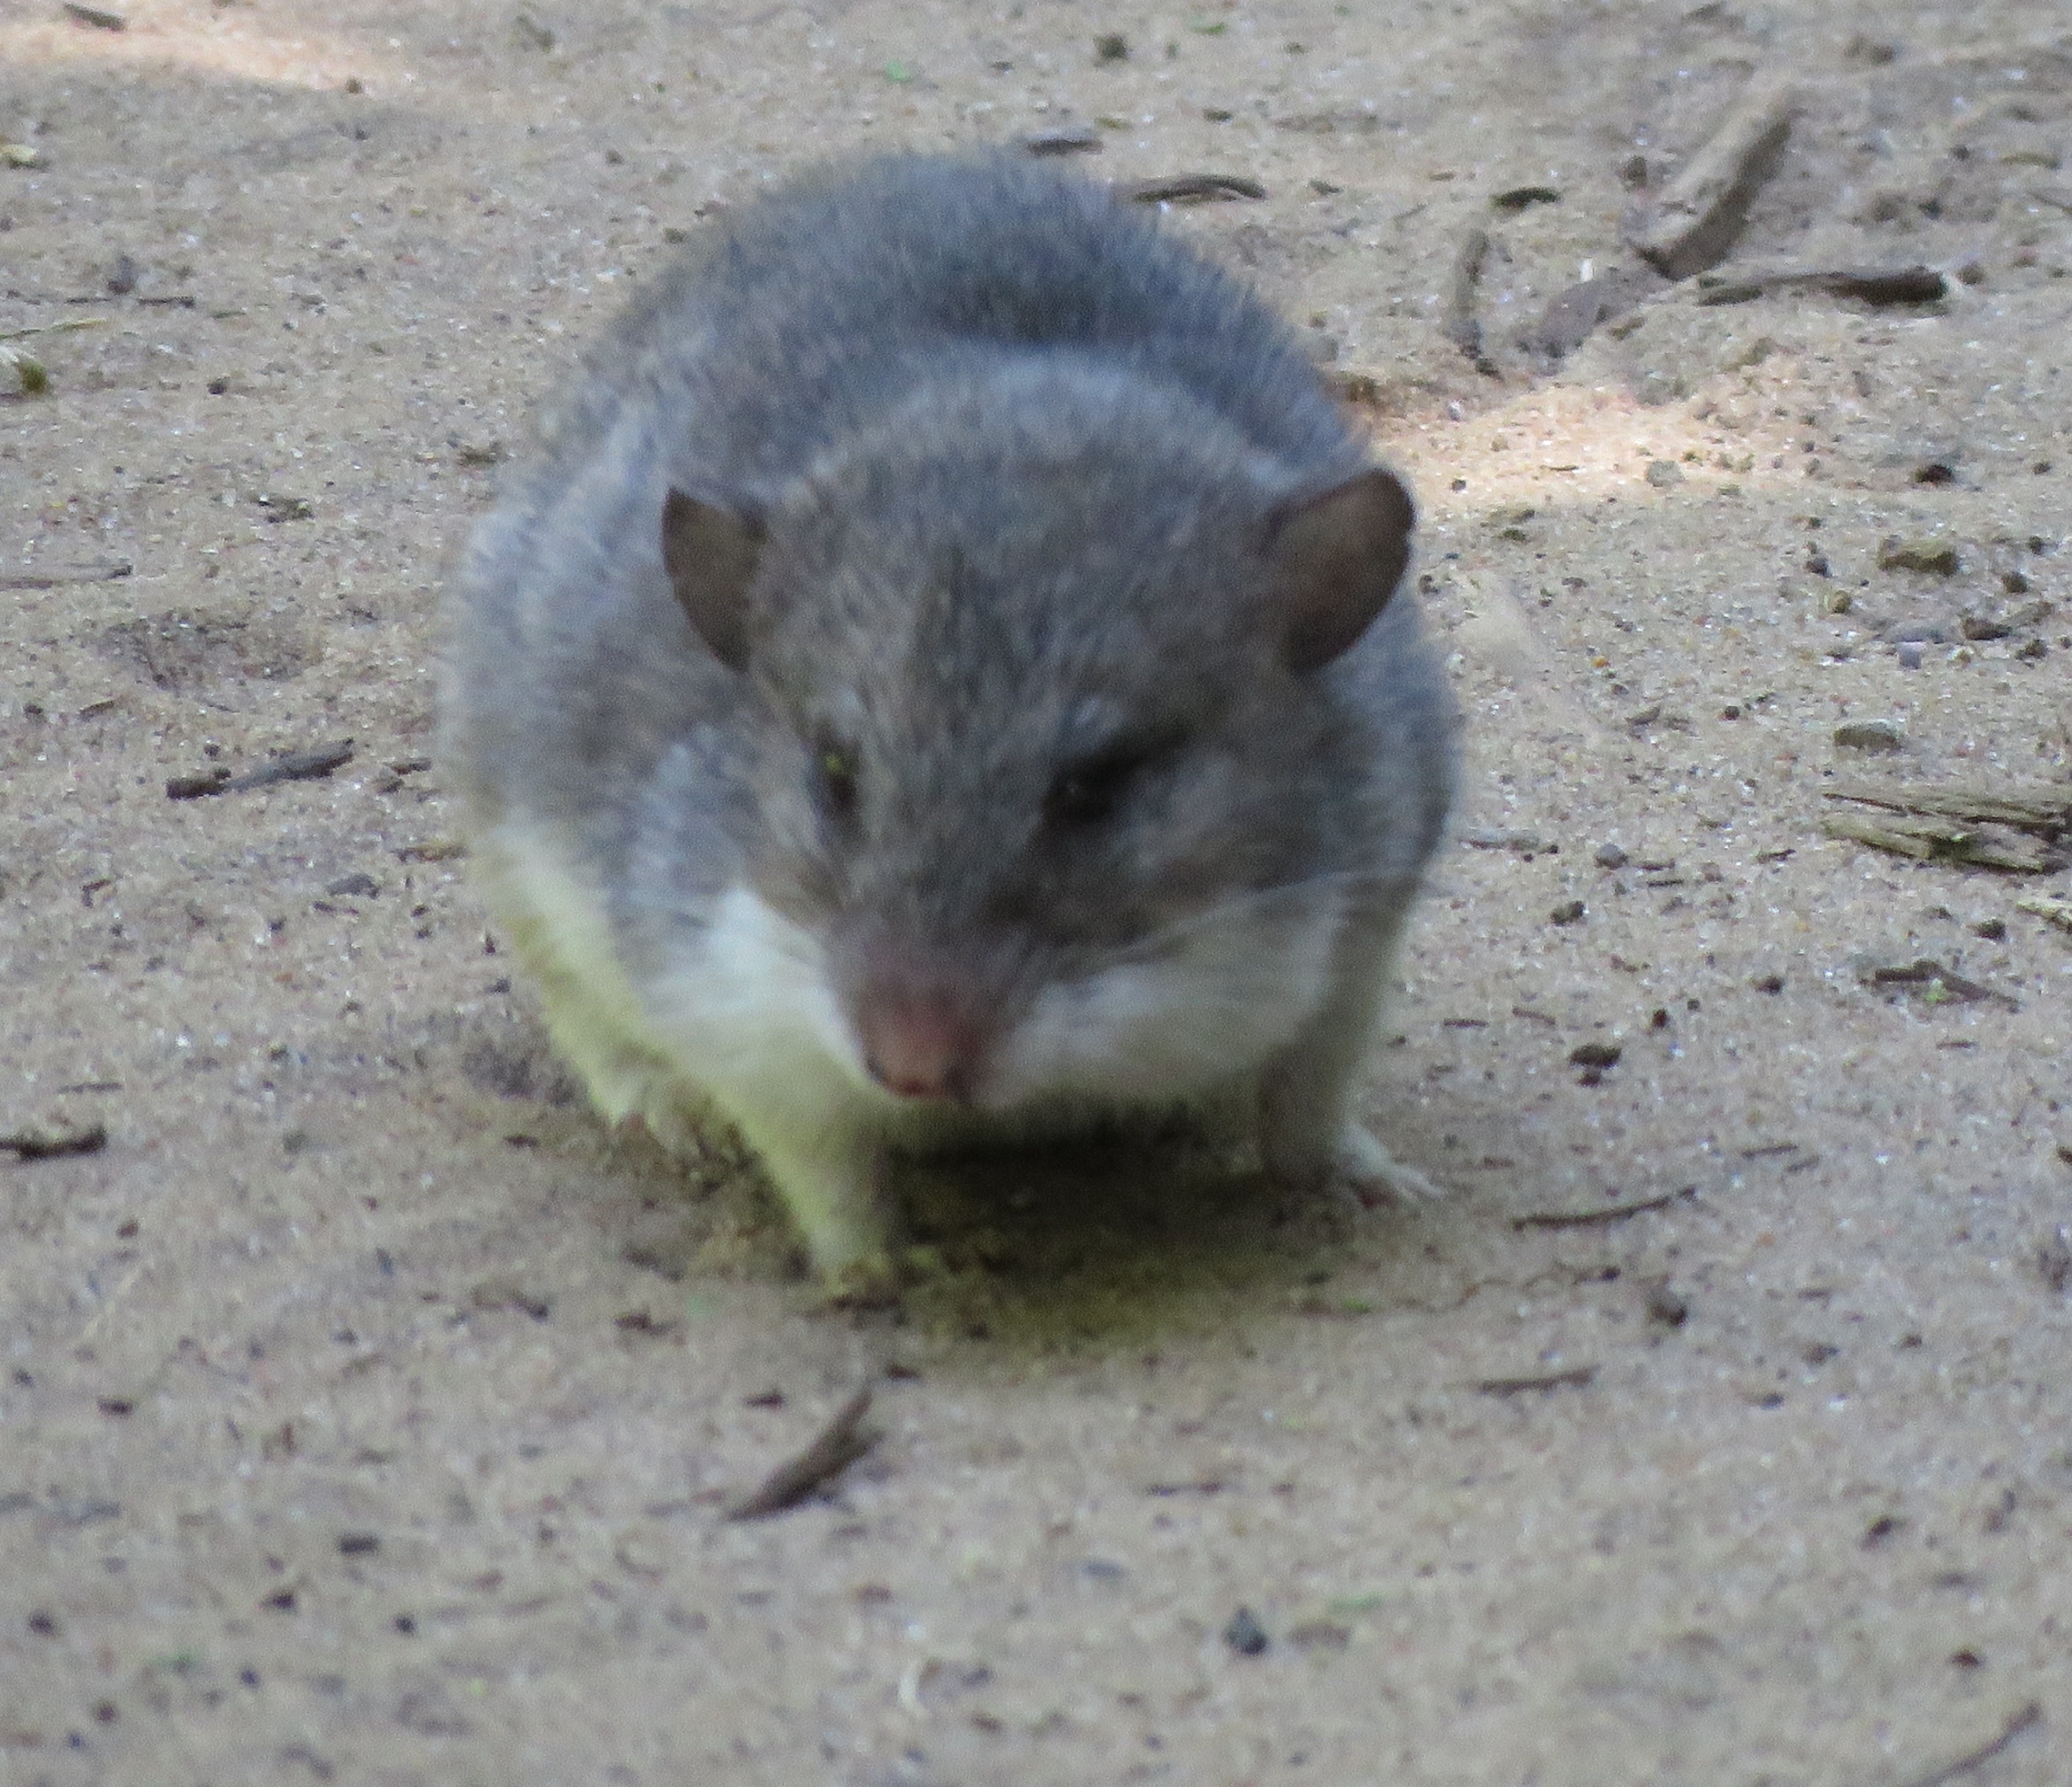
[839, 1446]
[2030, 1715]
[1597, 1219]
[28, 1145]
[1575, 1378]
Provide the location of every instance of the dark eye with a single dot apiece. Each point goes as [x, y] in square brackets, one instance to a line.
[1087, 793]
[834, 781]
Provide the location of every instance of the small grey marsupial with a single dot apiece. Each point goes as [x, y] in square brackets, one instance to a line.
[941, 675]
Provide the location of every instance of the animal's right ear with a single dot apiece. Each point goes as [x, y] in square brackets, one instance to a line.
[710, 553]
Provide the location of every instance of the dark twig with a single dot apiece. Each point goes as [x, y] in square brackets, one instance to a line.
[29, 1145]
[1575, 1378]
[58, 575]
[1179, 188]
[839, 1446]
[1598, 1219]
[2030, 1715]
[290, 766]
[1911, 285]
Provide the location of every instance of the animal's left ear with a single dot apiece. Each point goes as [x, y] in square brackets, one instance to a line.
[1338, 558]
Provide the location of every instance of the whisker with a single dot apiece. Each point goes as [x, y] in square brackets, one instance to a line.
[1158, 942]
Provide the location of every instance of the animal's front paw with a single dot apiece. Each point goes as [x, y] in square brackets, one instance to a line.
[1373, 1175]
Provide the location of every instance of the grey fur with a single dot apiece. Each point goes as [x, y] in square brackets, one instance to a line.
[979, 477]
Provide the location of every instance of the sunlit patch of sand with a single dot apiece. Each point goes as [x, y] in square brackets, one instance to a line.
[1568, 444]
[238, 42]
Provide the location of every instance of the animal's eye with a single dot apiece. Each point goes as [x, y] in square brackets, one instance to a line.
[1087, 792]
[834, 780]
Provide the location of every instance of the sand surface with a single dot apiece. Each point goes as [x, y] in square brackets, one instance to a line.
[368, 1414]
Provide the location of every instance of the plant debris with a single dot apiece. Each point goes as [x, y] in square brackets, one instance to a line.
[1576, 1378]
[839, 1446]
[33, 1144]
[2046, 810]
[2049, 907]
[1081, 139]
[290, 766]
[1695, 221]
[2029, 1715]
[1909, 285]
[1460, 325]
[95, 16]
[1573, 316]
[1521, 198]
[31, 377]
[106, 571]
[1189, 188]
[1937, 985]
[1933, 840]
[1599, 1219]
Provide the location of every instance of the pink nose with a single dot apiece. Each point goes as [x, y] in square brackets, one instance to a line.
[918, 1042]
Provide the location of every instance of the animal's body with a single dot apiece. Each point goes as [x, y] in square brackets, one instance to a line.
[942, 673]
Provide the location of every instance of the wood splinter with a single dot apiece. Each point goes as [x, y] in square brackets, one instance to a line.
[1696, 222]
[839, 1446]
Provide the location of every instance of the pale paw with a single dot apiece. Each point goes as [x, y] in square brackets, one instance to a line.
[1373, 1174]
[868, 1281]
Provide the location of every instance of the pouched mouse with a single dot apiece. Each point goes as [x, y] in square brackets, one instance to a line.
[941, 675]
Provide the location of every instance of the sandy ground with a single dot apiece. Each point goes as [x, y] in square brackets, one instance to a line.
[368, 1414]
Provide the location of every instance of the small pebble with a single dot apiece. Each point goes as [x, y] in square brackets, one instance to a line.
[1667, 1306]
[1873, 734]
[1933, 558]
[1245, 1634]
[1570, 911]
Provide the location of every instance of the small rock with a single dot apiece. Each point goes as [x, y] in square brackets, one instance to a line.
[1869, 735]
[1570, 911]
[1768, 983]
[1665, 474]
[1611, 856]
[1991, 930]
[1909, 655]
[1245, 1634]
[1933, 558]
[1597, 1055]
[351, 887]
[1667, 1305]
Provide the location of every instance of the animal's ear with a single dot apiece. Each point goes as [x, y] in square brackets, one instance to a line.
[1338, 558]
[710, 553]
